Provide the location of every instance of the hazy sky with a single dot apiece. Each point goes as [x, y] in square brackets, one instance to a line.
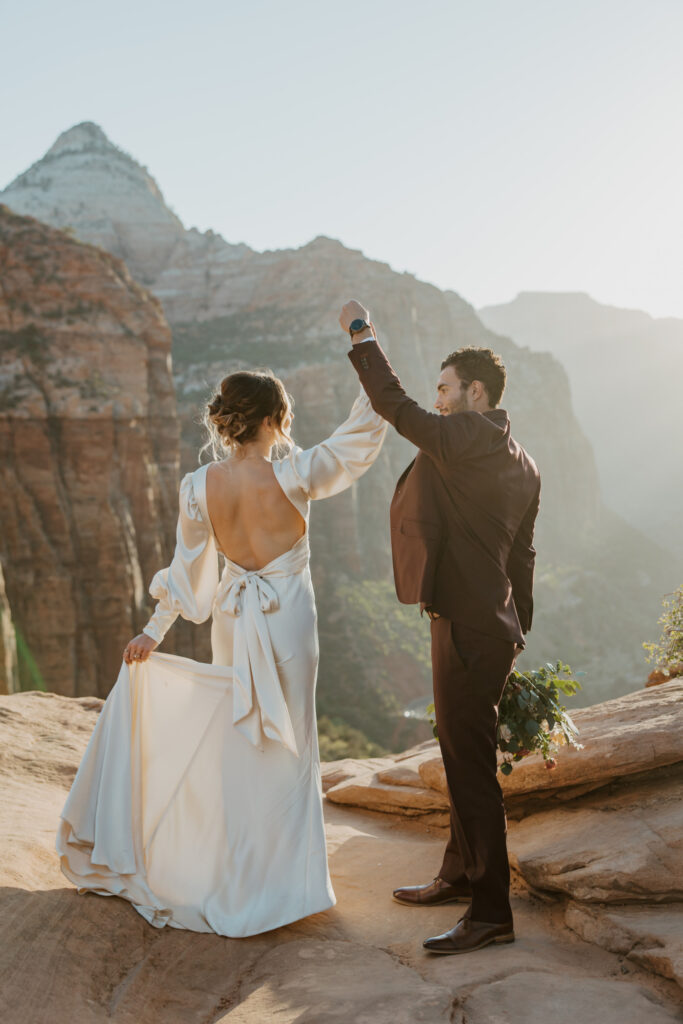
[489, 146]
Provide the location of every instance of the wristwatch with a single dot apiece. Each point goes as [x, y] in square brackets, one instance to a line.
[356, 326]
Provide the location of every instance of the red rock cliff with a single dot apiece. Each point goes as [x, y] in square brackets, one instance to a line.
[89, 463]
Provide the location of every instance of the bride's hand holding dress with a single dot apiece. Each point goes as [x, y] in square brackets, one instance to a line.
[139, 648]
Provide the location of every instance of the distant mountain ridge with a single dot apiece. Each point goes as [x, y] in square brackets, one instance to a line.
[569, 312]
[626, 372]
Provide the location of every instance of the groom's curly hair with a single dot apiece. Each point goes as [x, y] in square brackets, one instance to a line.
[479, 364]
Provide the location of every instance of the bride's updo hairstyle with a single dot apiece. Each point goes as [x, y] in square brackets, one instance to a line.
[235, 414]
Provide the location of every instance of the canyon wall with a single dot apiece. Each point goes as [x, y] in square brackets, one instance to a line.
[89, 464]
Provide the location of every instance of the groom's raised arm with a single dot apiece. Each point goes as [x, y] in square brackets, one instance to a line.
[443, 437]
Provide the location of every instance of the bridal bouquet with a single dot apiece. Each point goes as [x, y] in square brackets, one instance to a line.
[530, 716]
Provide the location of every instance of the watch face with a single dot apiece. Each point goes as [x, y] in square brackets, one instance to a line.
[356, 325]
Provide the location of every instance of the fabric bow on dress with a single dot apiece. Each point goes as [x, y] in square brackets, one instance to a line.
[259, 706]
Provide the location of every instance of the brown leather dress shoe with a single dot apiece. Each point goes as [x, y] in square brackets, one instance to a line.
[433, 894]
[469, 935]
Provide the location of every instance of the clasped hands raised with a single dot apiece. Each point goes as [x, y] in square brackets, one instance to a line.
[354, 310]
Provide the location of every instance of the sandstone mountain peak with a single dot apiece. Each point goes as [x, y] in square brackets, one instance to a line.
[87, 183]
[64, 163]
[86, 135]
[324, 242]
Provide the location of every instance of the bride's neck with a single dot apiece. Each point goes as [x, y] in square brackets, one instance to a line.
[258, 449]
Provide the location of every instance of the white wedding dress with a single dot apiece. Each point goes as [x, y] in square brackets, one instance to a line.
[199, 795]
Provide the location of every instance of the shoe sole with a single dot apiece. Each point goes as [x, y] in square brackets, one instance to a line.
[441, 903]
[456, 952]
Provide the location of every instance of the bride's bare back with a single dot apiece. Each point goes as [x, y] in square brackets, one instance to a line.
[252, 518]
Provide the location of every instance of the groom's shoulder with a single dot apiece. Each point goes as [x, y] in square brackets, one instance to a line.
[489, 434]
[476, 426]
[525, 460]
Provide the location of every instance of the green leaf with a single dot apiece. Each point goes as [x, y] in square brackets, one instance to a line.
[506, 768]
[532, 727]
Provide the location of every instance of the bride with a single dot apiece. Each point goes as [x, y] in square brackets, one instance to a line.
[198, 798]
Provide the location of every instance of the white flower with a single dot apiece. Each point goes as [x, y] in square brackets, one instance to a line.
[505, 733]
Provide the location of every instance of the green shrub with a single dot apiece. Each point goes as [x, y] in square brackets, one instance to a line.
[338, 740]
[667, 652]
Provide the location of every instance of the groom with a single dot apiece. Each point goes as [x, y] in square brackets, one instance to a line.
[462, 523]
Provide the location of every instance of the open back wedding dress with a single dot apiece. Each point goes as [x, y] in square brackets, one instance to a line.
[199, 795]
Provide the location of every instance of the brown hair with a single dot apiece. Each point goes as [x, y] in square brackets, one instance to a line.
[479, 364]
[235, 414]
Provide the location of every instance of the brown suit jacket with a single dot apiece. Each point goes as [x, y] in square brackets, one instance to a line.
[463, 513]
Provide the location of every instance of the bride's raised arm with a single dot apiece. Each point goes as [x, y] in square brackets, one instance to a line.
[332, 466]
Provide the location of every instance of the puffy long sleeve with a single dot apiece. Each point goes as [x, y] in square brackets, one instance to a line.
[332, 466]
[188, 586]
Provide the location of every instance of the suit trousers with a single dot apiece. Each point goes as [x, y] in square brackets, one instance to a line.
[470, 670]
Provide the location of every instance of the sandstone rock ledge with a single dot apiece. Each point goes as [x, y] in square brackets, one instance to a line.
[641, 732]
[604, 829]
[70, 959]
